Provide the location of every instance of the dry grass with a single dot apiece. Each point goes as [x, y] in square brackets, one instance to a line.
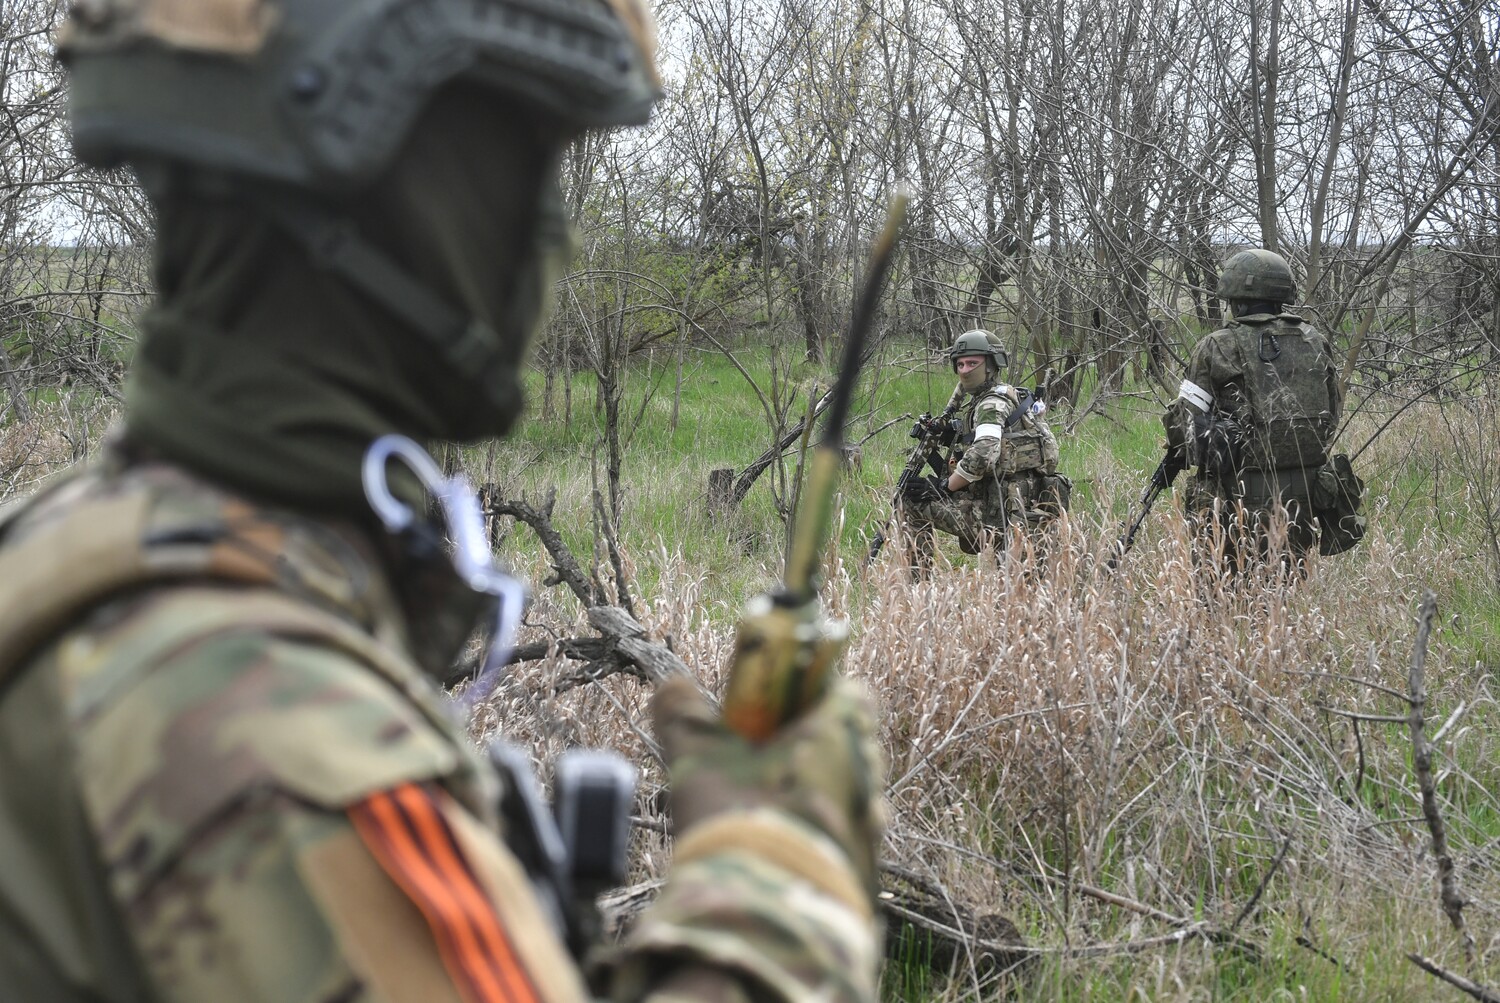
[58, 433]
[1161, 733]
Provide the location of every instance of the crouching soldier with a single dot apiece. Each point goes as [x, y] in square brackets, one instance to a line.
[1002, 461]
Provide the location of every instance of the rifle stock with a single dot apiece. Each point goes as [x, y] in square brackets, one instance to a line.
[1161, 479]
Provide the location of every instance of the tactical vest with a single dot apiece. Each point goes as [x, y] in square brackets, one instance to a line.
[1283, 409]
[1027, 444]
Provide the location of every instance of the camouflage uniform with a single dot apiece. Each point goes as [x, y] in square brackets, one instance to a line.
[1008, 470]
[1271, 384]
[224, 778]
[224, 774]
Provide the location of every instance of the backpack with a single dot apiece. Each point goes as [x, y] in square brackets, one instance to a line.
[1285, 419]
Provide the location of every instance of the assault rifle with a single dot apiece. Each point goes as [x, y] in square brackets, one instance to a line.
[922, 454]
[1161, 479]
[785, 646]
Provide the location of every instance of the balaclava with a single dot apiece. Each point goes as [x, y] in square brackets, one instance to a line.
[264, 371]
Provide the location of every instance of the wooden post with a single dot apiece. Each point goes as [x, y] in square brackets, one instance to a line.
[720, 491]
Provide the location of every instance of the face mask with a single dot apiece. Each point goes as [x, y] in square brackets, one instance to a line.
[974, 378]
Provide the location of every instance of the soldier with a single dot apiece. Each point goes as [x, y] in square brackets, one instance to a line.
[1257, 410]
[223, 773]
[1002, 460]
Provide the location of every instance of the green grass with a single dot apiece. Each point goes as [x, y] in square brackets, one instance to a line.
[1195, 743]
[1185, 806]
[722, 424]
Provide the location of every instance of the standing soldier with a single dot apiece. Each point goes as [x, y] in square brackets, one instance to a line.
[224, 774]
[1002, 461]
[1257, 410]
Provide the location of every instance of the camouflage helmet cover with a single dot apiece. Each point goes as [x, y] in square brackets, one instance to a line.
[979, 342]
[1257, 275]
[320, 94]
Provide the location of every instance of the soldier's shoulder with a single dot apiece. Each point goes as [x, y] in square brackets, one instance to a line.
[1000, 396]
[193, 705]
[1299, 324]
[1223, 342]
[212, 692]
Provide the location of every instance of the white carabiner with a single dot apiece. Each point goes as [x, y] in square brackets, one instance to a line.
[464, 521]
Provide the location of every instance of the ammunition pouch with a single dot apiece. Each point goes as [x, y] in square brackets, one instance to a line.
[1337, 496]
[1262, 488]
[1024, 450]
[1057, 494]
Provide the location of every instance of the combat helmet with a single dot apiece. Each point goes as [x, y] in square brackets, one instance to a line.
[1257, 275]
[296, 108]
[321, 94]
[979, 342]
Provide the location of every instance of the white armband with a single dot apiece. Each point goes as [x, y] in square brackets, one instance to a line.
[1196, 396]
[988, 432]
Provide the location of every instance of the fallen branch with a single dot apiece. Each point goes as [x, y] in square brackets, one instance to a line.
[622, 645]
[1474, 989]
[1452, 901]
[747, 478]
[566, 569]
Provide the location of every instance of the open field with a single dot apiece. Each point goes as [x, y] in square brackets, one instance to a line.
[1155, 775]
[1058, 737]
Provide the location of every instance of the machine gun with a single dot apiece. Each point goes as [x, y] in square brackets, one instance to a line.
[1161, 479]
[924, 453]
[785, 646]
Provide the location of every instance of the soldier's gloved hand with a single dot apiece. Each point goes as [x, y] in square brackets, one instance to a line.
[920, 490]
[1171, 465]
[823, 769]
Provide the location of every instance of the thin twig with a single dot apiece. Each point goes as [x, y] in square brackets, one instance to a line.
[1185, 926]
[1390, 691]
[1453, 903]
[1260, 889]
[1357, 716]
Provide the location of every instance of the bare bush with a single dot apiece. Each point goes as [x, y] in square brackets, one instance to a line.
[1121, 762]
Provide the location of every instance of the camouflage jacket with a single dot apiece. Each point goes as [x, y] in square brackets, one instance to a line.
[222, 777]
[1271, 384]
[992, 447]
